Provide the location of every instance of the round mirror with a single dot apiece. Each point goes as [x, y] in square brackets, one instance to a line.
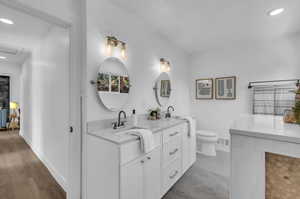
[162, 89]
[113, 84]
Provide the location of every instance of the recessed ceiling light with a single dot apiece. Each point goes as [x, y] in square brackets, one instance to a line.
[1, 57]
[6, 21]
[276, 11]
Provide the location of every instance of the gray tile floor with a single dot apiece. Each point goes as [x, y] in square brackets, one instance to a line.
[198, 183]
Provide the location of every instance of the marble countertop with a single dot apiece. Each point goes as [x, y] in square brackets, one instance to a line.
[122, 135]
[266, 127]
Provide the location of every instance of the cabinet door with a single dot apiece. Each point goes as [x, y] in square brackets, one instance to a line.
[132, 180]
[152, 173]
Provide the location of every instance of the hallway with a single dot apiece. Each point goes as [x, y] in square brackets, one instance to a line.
[22, 174]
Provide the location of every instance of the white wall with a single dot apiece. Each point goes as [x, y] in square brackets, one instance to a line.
[58, 8]
[14, 71]
[45, 102]
[249, 62]
[145, 48]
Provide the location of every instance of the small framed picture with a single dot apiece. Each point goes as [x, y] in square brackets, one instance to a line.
[124, 84]
[115, 83]
[103, 82]
[204, 89]
[226, 88]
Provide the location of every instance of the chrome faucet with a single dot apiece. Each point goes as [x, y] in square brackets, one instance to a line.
[168, 114]
[120, 123]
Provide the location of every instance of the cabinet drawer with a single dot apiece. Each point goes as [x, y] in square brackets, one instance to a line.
[172, 150]
[171, 174]
[171, 133]
[132, 150]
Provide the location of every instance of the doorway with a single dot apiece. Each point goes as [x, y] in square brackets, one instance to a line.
[4, 101]
[36, 156]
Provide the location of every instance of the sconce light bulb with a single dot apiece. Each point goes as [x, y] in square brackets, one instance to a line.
[109, 50]
[163, 67]
[123, 53]
[168, 66]
[123, 50]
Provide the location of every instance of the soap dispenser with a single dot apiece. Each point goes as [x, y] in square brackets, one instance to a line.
[134, 118]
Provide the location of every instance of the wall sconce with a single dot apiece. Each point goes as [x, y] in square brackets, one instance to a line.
[165, 65]
[112, 42]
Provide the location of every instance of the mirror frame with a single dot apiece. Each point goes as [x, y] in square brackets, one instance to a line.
[113, 109]
[156, 89]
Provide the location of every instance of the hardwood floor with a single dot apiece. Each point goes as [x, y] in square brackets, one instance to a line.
[22, 174]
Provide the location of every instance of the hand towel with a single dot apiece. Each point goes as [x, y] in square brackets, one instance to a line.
[191, 125]
[146, 139]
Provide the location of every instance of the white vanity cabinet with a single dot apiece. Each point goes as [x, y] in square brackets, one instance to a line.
[123, 171]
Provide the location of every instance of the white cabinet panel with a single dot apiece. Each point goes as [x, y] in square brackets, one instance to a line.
[132, 177]
[140, 179]
[152, 171]
[188, 149]
[102, 169]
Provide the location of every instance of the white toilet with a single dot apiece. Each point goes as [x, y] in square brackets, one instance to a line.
[206, 142]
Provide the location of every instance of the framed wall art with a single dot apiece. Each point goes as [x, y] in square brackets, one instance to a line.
[225, 88]
[204, 88]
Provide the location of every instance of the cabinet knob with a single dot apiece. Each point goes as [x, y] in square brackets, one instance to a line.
[173, 152]
[149, 158]
[173, 134]
[174, 175]
[142, 161]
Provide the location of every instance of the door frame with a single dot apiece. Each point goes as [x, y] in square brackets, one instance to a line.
[9, 76]
[74, 185]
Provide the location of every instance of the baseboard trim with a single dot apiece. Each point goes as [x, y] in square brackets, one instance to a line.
[59, 178]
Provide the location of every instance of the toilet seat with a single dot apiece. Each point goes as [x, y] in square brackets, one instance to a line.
[207, 141]
[207, 136]
[206, 133]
